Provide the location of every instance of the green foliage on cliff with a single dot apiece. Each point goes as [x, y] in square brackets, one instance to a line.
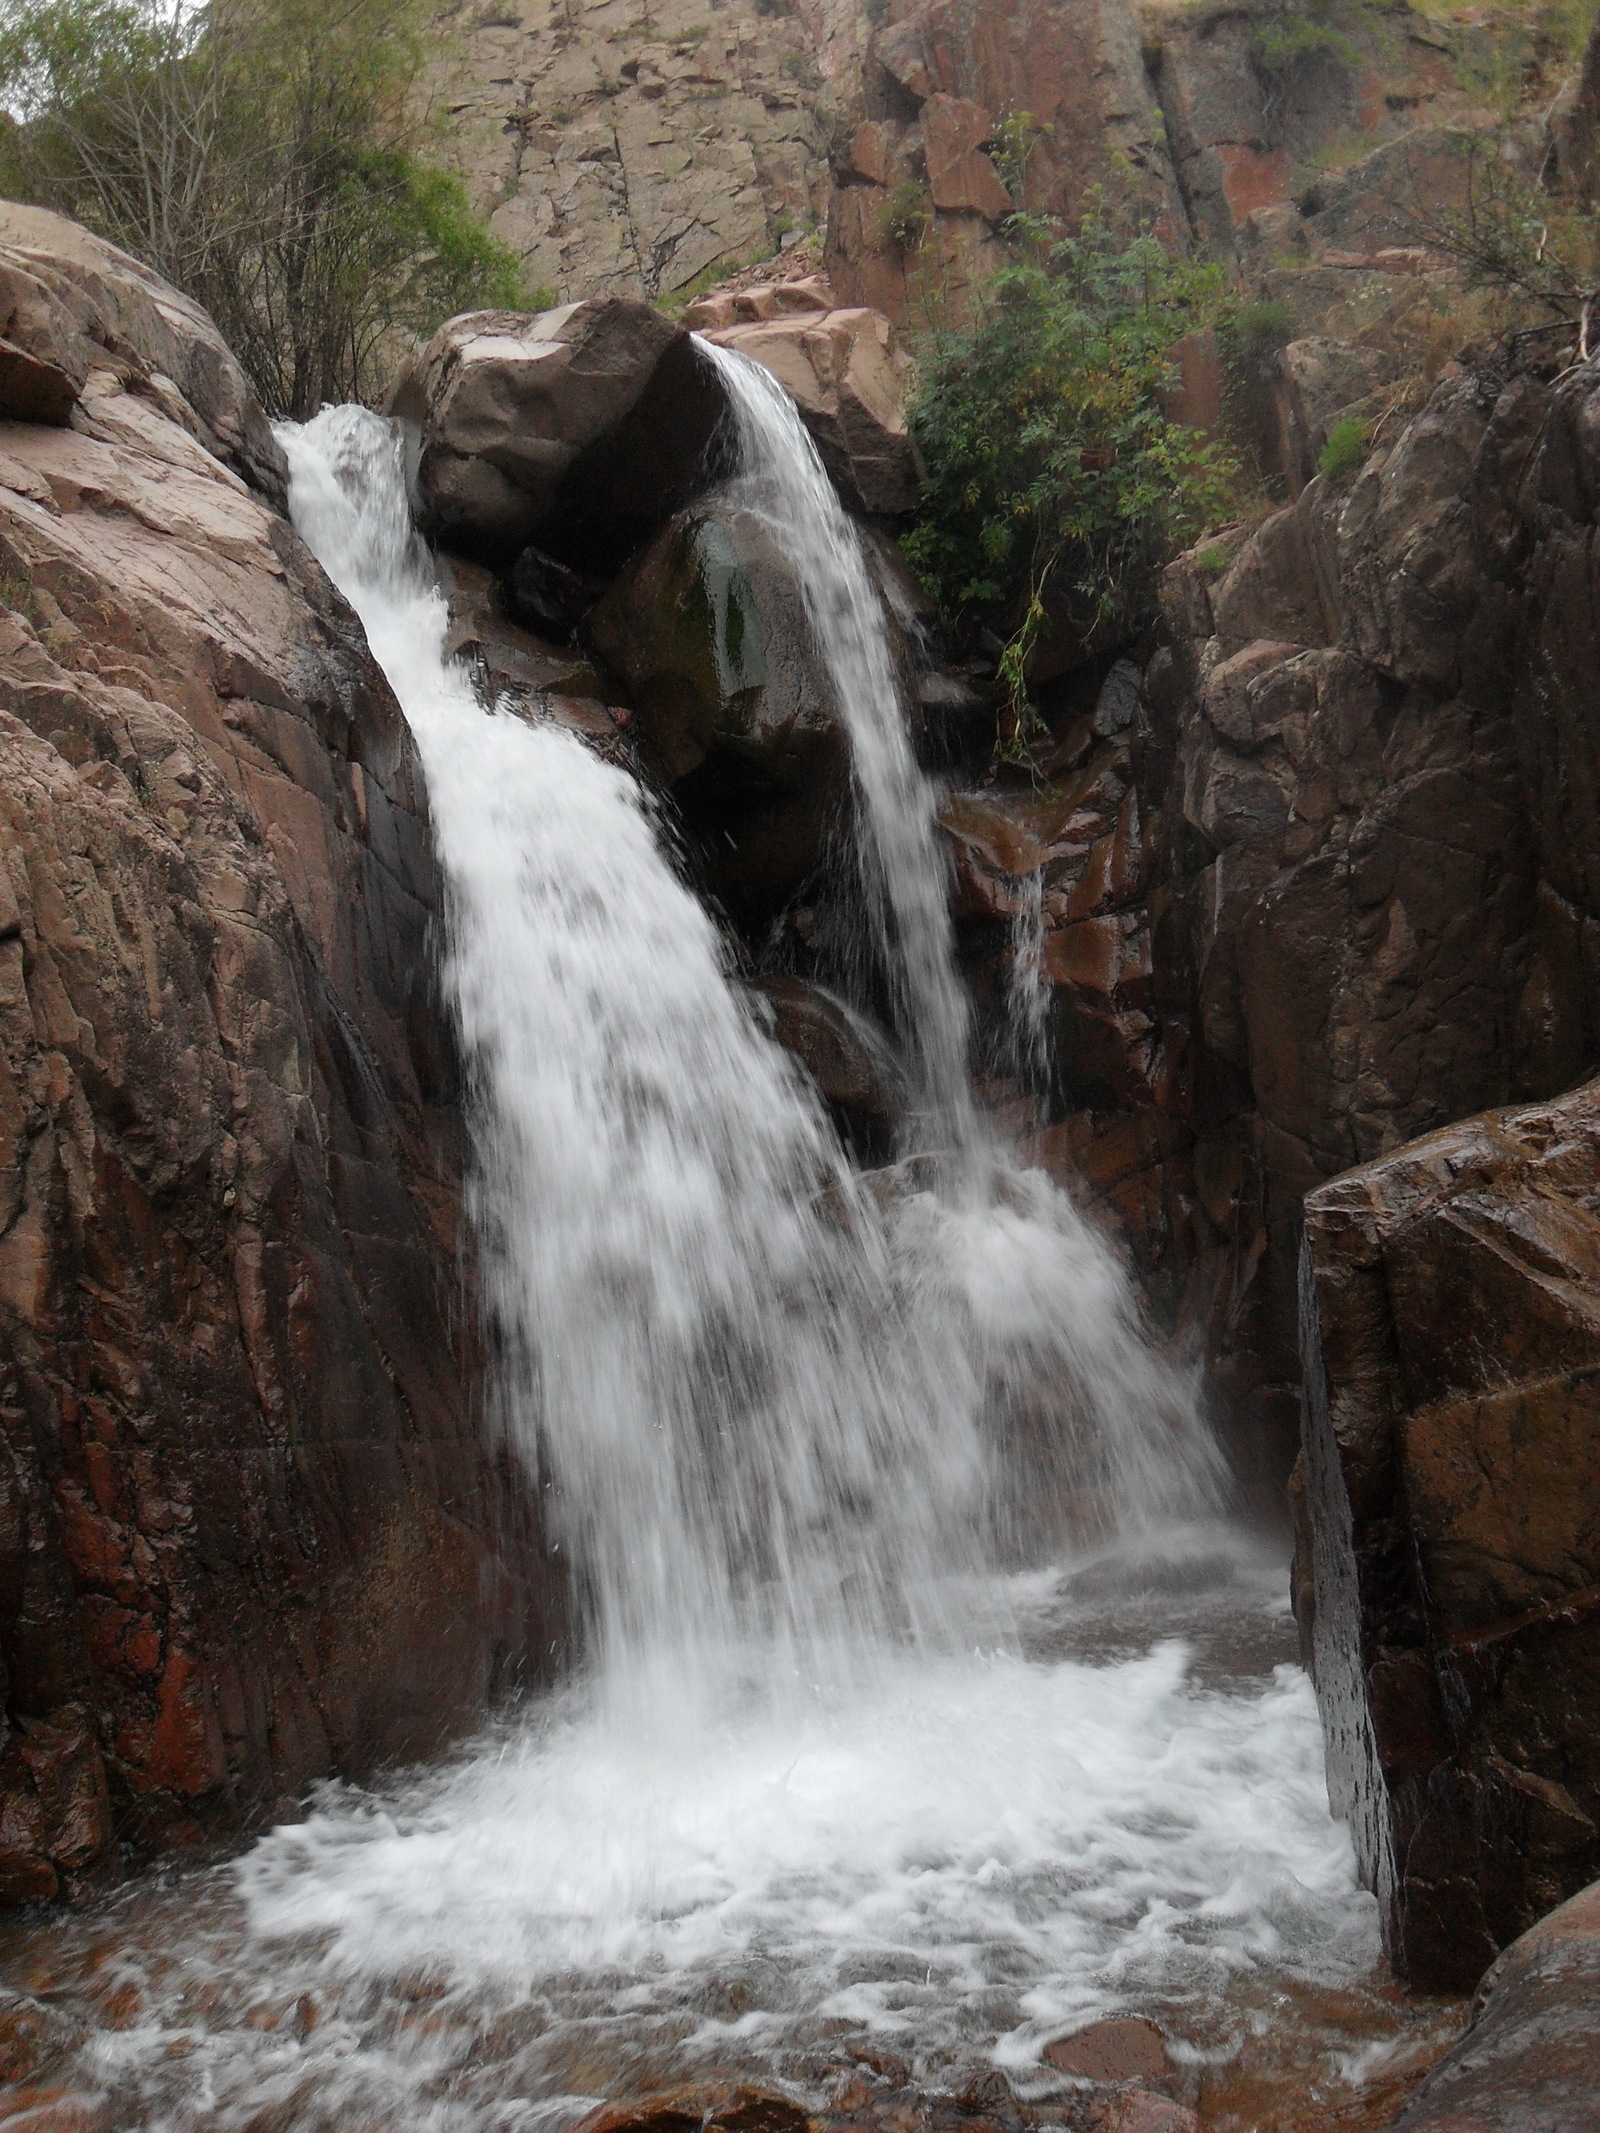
[266, 158]
[1289, 34]
[1057, 483]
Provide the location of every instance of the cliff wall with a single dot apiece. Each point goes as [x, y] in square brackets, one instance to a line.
[249, 1531]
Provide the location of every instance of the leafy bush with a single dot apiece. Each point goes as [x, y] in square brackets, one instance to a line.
[1057, 486]
[262, 158]
[1289, 34]
[1345, 451]
[904, 217]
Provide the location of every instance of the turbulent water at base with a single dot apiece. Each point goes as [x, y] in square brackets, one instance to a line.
[834, 1762]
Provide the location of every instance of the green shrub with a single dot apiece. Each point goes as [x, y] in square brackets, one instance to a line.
[1345, 451]
[1057, 487]
[1288, 35]
[904, 217]
[262, 158]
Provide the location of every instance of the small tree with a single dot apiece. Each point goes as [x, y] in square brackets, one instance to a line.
[1057, 484]
[264, 155]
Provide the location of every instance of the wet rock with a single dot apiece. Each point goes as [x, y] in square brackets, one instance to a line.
[700, 2110]
[511, 661]
[1127, 2050]
[1527, 2064]
[854, 1070]
[1453, 1330]
[248, 1534]
[31, 2033]
[506, 403]
[547, 596]
[54, 2110]
[849, 380]
[707, 630]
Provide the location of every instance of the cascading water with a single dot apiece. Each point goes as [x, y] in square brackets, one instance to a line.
[1027, 994]
[782, 479]
[825, 1767]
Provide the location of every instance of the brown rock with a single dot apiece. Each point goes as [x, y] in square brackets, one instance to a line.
[507, 402]
[1114, 2052]
[707, 629]
[961, 177]
[1527, 2064]
[1455, 1501]
[850, 380]
[74, 303]
[853, 1069]
[248, 1534]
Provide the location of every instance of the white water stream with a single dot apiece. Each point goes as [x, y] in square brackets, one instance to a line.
[827, 1765]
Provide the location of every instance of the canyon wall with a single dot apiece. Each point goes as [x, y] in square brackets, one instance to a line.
[250, 1532]
[646, 150]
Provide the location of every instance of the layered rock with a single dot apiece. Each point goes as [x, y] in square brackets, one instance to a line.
[251, 1534]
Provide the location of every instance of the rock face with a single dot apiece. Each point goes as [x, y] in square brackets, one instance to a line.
[630, 158]
[1453, 1484]
[1527, 2065]
[249, 1534]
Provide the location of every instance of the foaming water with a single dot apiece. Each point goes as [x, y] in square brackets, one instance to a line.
[826, 1769]
[1124, 1810]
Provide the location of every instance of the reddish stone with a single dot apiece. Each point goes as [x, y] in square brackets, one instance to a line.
[960, 177]
[1253, 178]
[1123, 2050]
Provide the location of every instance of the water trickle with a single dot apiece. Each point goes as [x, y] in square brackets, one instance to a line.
[1027, 994]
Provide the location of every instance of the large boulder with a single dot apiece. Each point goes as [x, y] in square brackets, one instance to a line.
[850, 380]
[71, 304]
[733, 705]
[507, 404]
[1528, 2062]
[1452, 1476]
[249, 1535]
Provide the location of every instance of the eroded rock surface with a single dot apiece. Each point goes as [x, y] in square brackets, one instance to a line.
[249, 1532]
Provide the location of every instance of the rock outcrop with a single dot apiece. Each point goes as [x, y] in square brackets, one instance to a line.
[848, 375]
[249, 1533]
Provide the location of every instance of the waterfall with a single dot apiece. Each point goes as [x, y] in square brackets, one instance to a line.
[1027, 994]
[828, 1767]
[770, 1408]
[781, 479]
